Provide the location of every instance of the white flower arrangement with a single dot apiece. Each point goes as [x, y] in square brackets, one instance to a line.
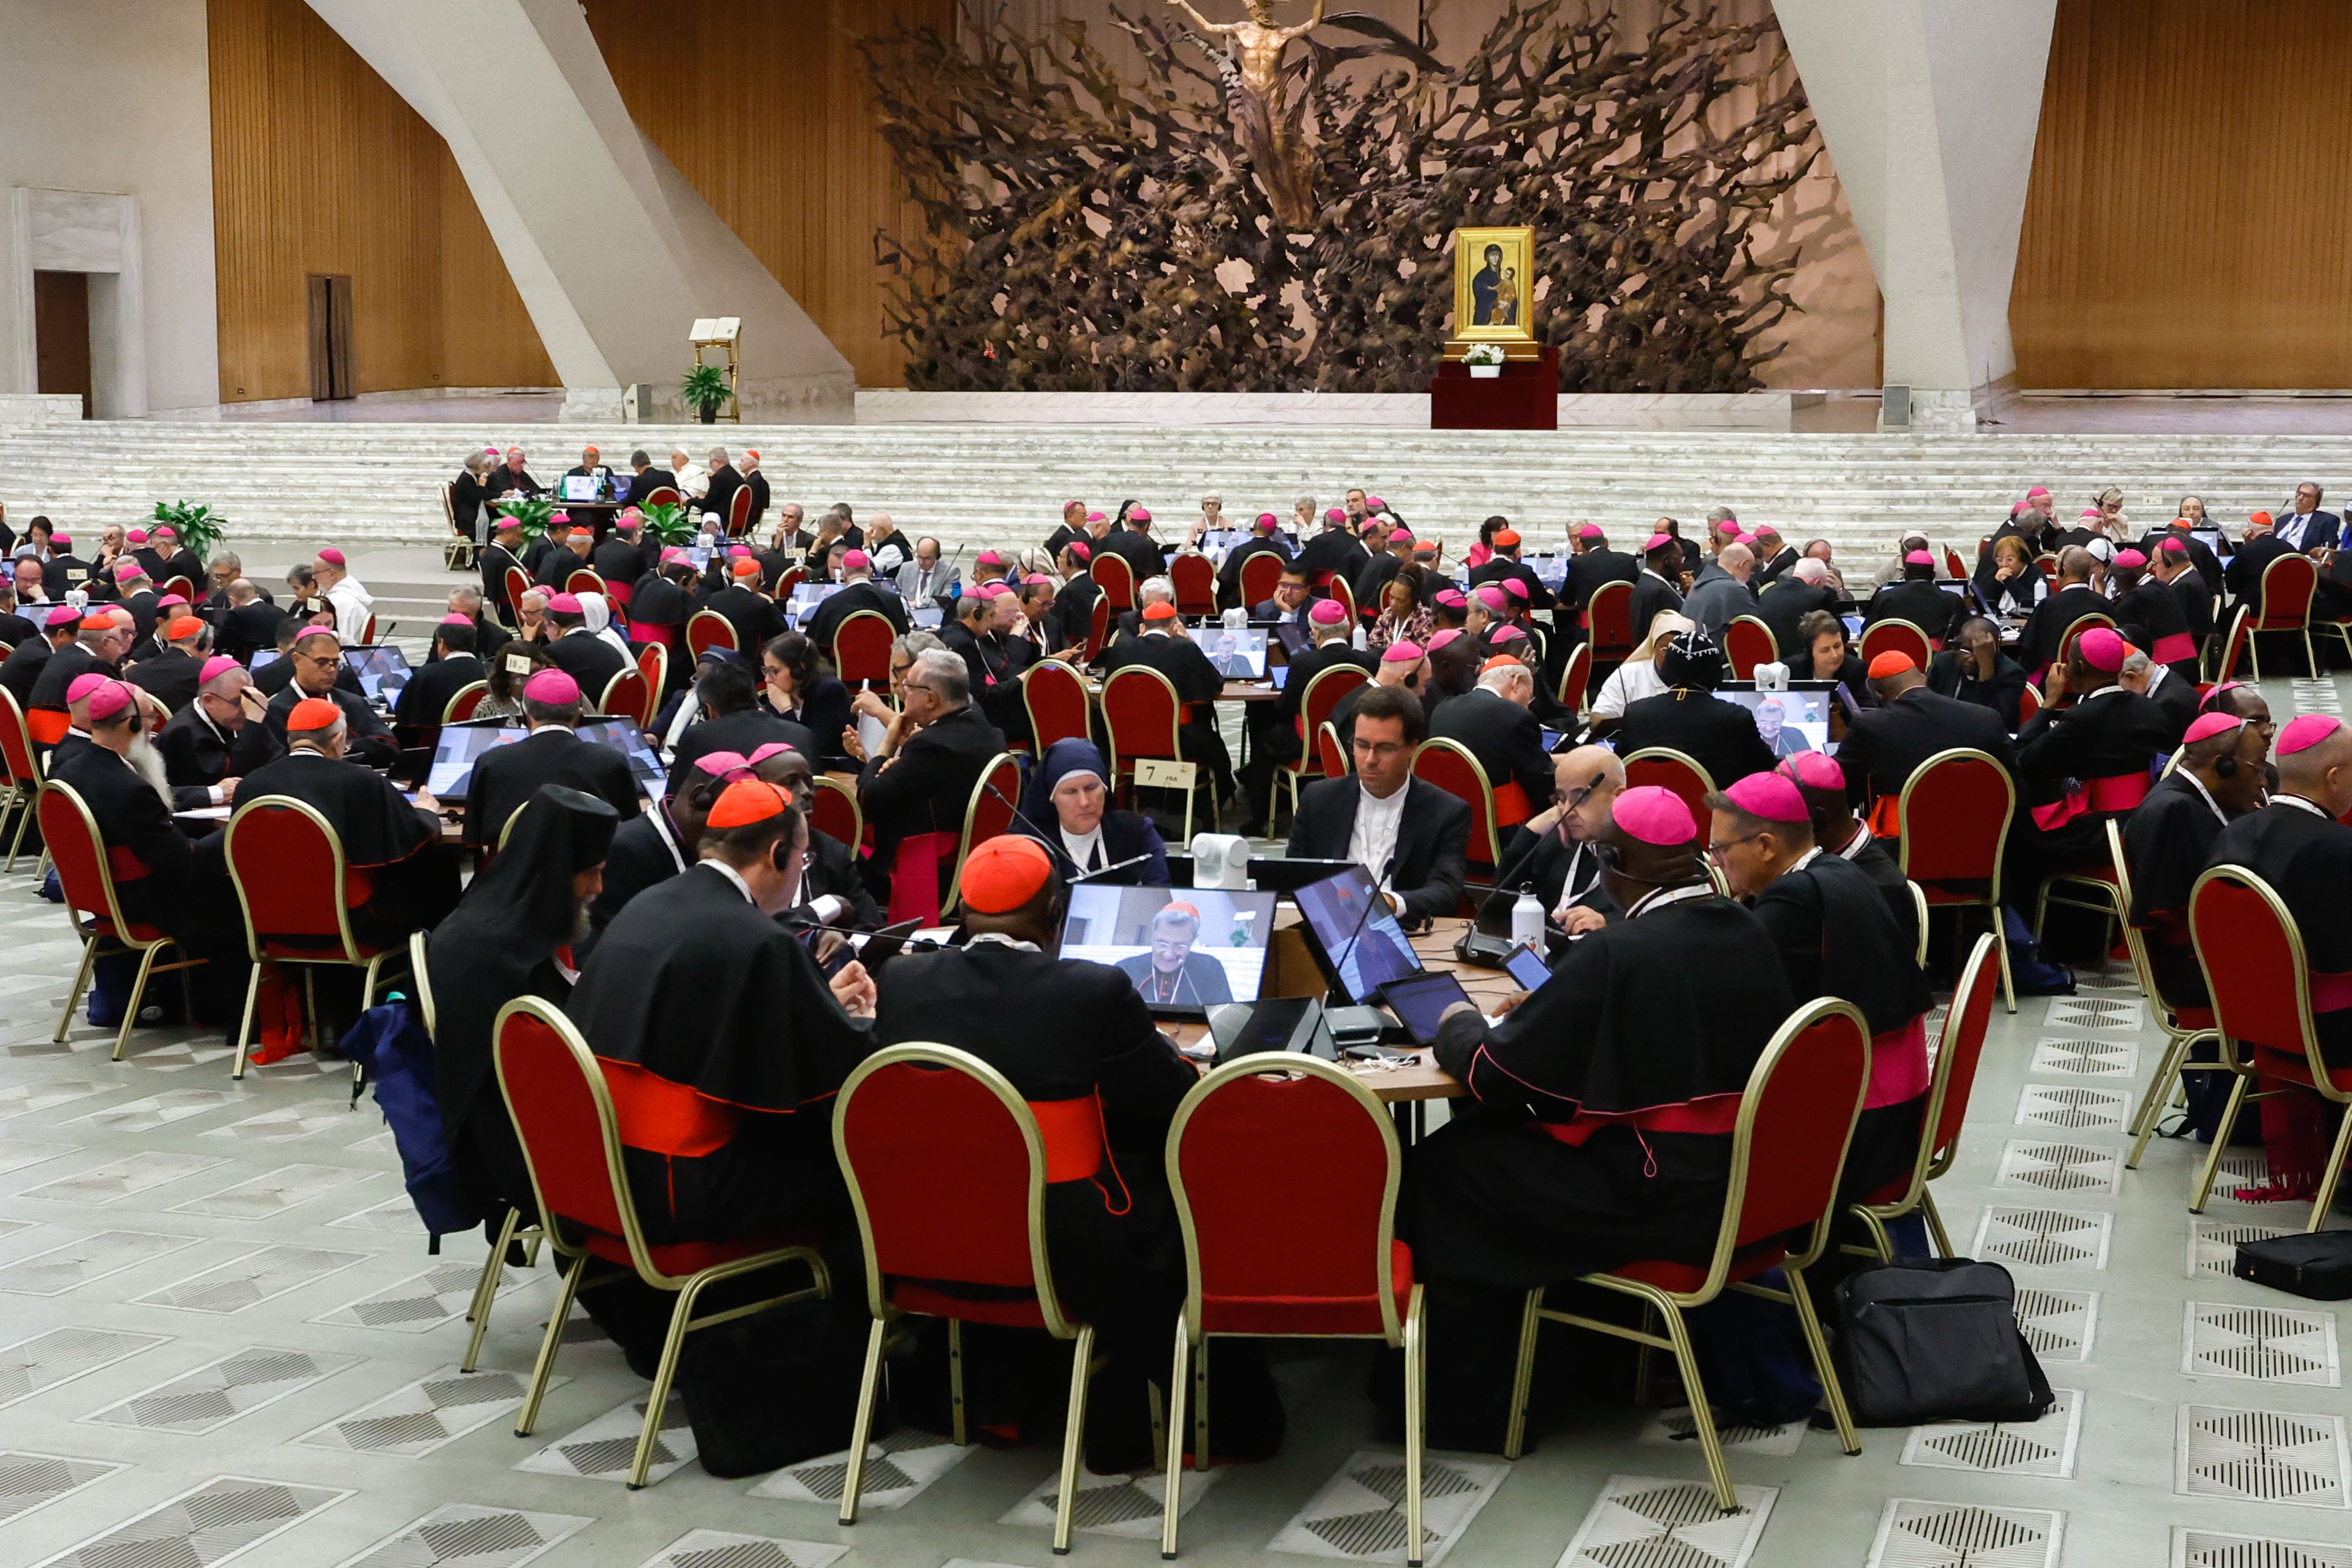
[1483, 354]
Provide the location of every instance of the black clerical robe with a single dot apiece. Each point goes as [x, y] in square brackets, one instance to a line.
[371, 742]
[507, 777]
[2306, 855]
[394, 880]
[2167, 843]
[171, 678]
[1599, 1127]
[198, 755]
[647, 851]
[723, 1045]
[2084, 763]
[1720, 736]
[1837, 939]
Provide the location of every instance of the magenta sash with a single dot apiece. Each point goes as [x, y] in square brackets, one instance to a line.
[2116, 793]
[1898, 1065]
[2174, 649]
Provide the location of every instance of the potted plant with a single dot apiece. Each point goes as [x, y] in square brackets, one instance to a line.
[532, 515]
[1484, 359]
[705, 390]
[669, 523]
[199, 529]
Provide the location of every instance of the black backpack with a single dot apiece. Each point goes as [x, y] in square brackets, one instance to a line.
[1935, 1339]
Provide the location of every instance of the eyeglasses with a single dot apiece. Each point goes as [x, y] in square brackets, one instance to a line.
[1717, 850]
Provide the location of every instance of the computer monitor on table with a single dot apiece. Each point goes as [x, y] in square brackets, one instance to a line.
[381, 669]
[625, 737]
[1790, 722]
[457, 748]
[1183, 949]
[1237, 656]
[807, 596]
[1355, 939]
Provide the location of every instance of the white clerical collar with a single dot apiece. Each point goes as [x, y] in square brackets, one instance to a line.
[2314, 807]
[1805, 860]
[1658, 898]
[731, 875]
[1002, 940]
[543, 728]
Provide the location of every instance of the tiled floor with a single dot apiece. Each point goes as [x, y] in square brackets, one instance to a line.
[220, 1336]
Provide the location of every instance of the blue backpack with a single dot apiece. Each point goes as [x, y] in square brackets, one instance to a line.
[391, 1043]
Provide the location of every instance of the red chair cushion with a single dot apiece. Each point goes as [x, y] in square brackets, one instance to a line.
[2193, 1018]
[1682, 1278]
[1939, 895]
[326, 949]
[2293, 1067]
[1012, 1312]
[678, 1258]
[1311, 1315]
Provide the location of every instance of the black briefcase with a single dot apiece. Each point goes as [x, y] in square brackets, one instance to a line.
[2317, 1265]
[1935, 1339]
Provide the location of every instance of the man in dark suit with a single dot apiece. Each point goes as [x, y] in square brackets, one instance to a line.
[23, 669]
[2173, 564]
[993, 659]
[1333, 552]
[2304, 527]
[1505, 565]
[1885, 746]
[624, 556]
[315, 661]
[1293, 600]
[1974, 669]
[1267, 540]
[1071, 620]
[2261, 546]
[512, 475]
[586, 657]
[1688, 717]
[589, 466]
[1273, 737]
[1134, 544]
[569, 554]
[1494, 721]
[1784, 605]
[730, 718]
[1409, 834]
[1773, 558]
[757, 483]
[931, 759]
[219, 736]
[720, 498]
[1658, 588]
[858, 591]
[1916, 599]
[503, 553]
[2072, 597]
[645, 478]
[554, 753]
[754, 615]
[1161, 645]
[1595, 563]
[455, 665]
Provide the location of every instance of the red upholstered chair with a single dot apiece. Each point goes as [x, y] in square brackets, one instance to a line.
[947, 1169]
[987, 815]
[1897, 637]
[24, 771]
[1748, 642]
[835, 812]
[2182, 1028]
[518, 583]
[1196, 584]
[861, 648]
[1315, 704]
[1788, 1150]
[1575, 674]
[86, 872]
[1140, 718]
[464, 701]
[2075, 629]
[794, 577]
[369, 634]
[659, 496]
[1345, 593]
[1057, 701]
[2252, 952]
[1953, 566]
[1955, 1074]
[626, 696]
[707, 629]
[297, 894]
[739, 511]
[2049, 567]
[1115, 576]
[1097, 630]
[1449, 764]
[573, 1115]
[2028, 702]
[584, 580]
[1261, 575]
[653, 664]
[1671, 769]
[1329, 752]
[1324, 1263]
[1954, 815]
[1608, 623]
[2283, 605]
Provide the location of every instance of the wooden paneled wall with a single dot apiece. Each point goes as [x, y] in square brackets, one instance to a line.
[763, 107]
[2184, 225]
[319, 167]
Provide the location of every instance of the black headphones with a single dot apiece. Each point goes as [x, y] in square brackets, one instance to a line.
[2226, 765]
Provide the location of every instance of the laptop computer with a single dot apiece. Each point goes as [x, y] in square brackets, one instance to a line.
[457, 748]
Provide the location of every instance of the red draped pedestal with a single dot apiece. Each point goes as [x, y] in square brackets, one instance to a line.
[1524, 397]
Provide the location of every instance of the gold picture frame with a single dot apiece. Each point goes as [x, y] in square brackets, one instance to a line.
[1493, 291]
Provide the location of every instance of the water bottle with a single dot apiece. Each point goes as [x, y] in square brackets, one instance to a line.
[1527, 921]
[1356, 642]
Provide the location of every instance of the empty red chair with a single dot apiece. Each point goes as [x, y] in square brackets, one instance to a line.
[1057, 701]
[1115, 576]
[2183, 1027]
[861, 648]
[946, 1168]
[739, 511]
[584, 581]
[988, 815]
[1897, 637]
[707, 629]
[1315, 704]
[1788, 1151]
[1196, 584]
[24, 771]
[626, 696]
[1608, 623]
[1261, 575]
[1953, 569]
[1954, 815]
[1574, 677]
[1748, 642]
[1141, 716]
[835, 812]
[572, 1127]
[2285, 606]
[87, 869]
[1342, 590]
[1671, 769]
[1097, 630]
[1957, 1054]
[464, 701]
[1322, 1263]
[2261, 982]
[659, 496]
[1449, 764]
[653, 664]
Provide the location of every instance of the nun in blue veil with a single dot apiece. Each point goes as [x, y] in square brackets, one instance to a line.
[1068, 806]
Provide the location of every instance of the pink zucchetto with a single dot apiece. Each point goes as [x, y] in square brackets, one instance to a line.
[1815, 770]
[2039, 493]
[216, 666]
[1098, 516]
[2102, 648]
[1655, 816]
[1768, 796]
[84, 685]
[2173, 550]
[1918, 557]
[1402, 652]
[2087, 513]
[2303, 733]
[1267, 522]
[1502, 636]
[62, 616]
[565, 604]
[1590, 531]
[1080, 549]
[135, 537]
[1138, 514]
[1444, 635]
[1327, 613]
[172, 602]
[2130, 560]
[455, 620]
[1336, 515]
[332, 555]
[670, 553]
[1492, 596]
[988, 558]
[1658, 542]
[1515, 587]
[855, 560]
[719, 764]
[1451, 597]
[552, 686]
[111, 699]
[2210, 724]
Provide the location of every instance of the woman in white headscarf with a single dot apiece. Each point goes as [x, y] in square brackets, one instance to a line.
[598, 614]
[1638, 676]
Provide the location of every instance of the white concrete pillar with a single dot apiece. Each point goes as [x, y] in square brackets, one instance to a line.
[614, 252]
[1929, 110]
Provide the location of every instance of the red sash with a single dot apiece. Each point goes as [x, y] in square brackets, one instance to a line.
[1716, 1113]
[2330, 993]
[915, 876]
[665, 1118]
[2113, 795]
[1072, 1134]
[1511, 805]
[122, 866]
[47, 725]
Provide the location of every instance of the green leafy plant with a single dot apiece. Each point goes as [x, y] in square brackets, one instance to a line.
[531, 515]
[669, 522]
[199, 529]
[705, 390]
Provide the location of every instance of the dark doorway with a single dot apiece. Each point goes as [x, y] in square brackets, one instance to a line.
[61, 333]
[331, 337]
